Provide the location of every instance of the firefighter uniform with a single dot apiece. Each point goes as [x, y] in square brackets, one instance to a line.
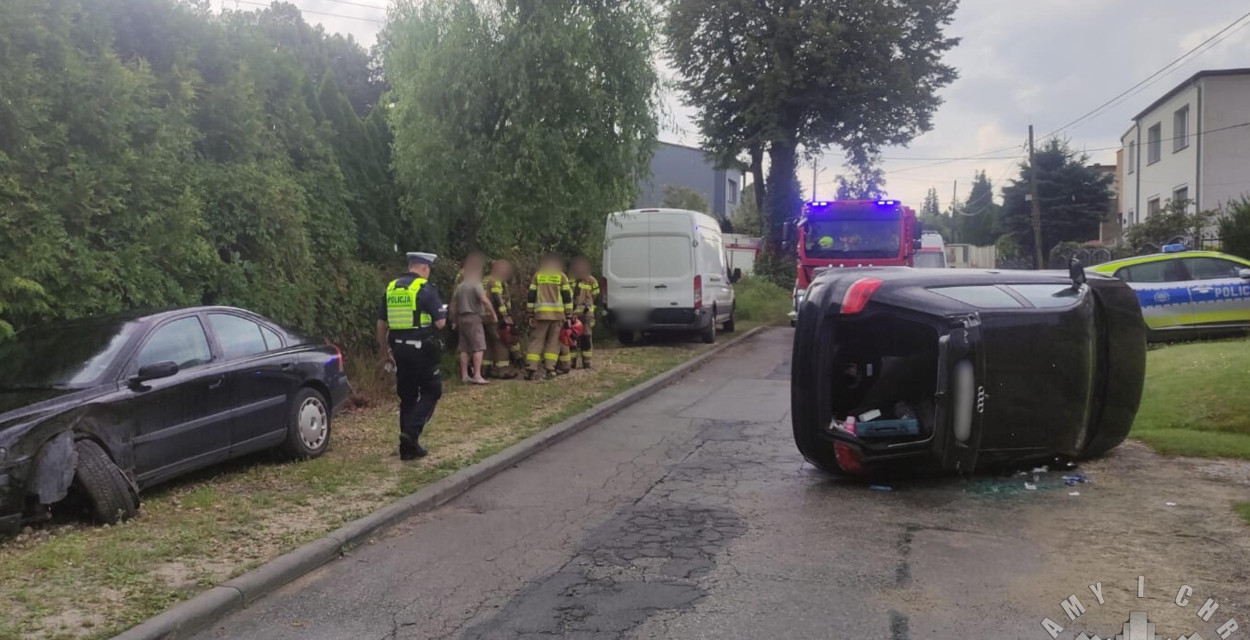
[411, 308]
[499, 354]
[585, 295]
[564, 363]
[550, 303]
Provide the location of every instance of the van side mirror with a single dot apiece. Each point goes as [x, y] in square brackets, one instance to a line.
[919, 232]
[735, 275]
[155, 371]
[917, 244]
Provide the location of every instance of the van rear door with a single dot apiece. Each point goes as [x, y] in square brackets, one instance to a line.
[672, 261]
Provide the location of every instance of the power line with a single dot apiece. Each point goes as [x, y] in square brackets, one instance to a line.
[1162, 140]
[1152, 76]
[356, 4]
[988, 155]
[318, 13]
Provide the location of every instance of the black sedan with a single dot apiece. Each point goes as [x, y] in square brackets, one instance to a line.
[956, 369]
[101, 408]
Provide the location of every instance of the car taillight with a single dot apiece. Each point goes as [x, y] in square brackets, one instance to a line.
[857, 296]
[698, 292]
[338, 355]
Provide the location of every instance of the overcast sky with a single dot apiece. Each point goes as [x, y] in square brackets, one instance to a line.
[1020, 61]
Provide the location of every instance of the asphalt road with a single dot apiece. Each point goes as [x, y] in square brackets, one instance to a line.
[691, 515]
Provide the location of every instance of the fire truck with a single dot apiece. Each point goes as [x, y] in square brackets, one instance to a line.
[851, 233]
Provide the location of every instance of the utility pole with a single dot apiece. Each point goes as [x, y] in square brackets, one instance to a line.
[1037, 205]
[814, 161]
[954, 196]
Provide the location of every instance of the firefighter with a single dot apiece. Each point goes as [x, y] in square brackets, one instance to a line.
[564, 362]
[411, 314]
[549, 305]
[585, 297]
[501, 343]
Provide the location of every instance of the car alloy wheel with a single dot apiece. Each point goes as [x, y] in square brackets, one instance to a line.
[314, 424]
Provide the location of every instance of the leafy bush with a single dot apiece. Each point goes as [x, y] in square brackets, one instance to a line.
[1235, 228]
[759, 300]
[779, 269]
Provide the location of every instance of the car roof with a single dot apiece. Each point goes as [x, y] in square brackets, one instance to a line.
[150, 316]
[1108, 267]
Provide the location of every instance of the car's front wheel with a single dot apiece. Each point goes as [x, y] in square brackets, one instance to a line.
[626, 337]
[308, 425]
[110, 496]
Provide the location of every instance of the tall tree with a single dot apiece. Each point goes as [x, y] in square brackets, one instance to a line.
[978, 219]
[771, 76]
[1073, 199]
[679, 197]
[932, 206]
[519, 124]
[866, 181]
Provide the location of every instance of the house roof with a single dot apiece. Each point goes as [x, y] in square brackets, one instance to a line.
[1192, 79]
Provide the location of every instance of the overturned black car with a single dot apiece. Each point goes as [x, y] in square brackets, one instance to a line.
[960, 369]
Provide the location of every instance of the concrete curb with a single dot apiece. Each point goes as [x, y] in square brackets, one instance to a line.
[183, 619]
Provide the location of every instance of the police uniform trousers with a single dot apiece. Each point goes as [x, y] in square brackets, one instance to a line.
[419, 383]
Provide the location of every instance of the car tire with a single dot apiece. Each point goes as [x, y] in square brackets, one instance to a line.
[111, 498]
[308, 425]
[626, 337]
[805, 407]
[708, 334]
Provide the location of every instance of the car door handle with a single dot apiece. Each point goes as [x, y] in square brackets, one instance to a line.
[216, 384]
[287, 366]
[661, 286]
[629, 286]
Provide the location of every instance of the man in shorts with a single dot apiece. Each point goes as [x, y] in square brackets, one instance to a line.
[468, 306]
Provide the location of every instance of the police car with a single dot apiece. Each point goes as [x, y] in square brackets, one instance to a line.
[1186, 292]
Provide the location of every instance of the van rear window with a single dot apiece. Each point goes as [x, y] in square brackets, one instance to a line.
[628, 257]
[670, 256]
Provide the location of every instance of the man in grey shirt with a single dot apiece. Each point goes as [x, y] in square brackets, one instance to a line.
[469, 305]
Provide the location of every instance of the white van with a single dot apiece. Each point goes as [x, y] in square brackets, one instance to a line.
[665, 270]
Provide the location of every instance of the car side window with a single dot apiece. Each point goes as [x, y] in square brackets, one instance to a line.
[182, 341]
[1048, 296]
[1157, 271]
[272, 341]
[984, 296]
[238, 337]
[1212, 268]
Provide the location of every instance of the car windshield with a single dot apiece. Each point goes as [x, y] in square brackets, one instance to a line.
[876, 237]
[73, 354]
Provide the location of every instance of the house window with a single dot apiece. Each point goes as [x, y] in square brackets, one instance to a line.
[1180, 129]
[1131, 217]
[733, 192]
[1154, 144]
[1152, 207]
[1181, 195]
[1132, 156]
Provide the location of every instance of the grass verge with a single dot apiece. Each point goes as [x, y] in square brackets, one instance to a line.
[1243, 510]
[759, 301]
[1195, 401]
[70, 581]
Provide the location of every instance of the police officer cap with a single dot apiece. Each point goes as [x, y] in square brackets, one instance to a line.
[415, 257]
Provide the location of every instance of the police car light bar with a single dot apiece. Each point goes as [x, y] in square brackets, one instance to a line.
[1173, 248]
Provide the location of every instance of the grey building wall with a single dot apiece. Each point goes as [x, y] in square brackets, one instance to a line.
[690, 167]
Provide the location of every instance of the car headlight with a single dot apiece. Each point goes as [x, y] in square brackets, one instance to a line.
[799, 294]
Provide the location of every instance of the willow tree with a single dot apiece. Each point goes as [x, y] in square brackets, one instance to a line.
[773, 77]
[518, 124]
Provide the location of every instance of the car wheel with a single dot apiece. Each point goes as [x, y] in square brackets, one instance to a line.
[708, 335]
[626, 337]
[110, 496]
[308, 426]
[805, 402]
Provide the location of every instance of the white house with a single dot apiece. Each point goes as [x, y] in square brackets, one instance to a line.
[1191, 144]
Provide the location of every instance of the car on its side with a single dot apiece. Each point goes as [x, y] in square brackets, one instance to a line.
[1187, 294]
[960, 369]
[100, 408]
[666, 271]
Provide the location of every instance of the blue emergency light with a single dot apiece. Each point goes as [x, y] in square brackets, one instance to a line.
[887, 203]
[822, 203]
[1173, 248]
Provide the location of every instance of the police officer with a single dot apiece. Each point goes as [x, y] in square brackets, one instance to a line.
[411, 314]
